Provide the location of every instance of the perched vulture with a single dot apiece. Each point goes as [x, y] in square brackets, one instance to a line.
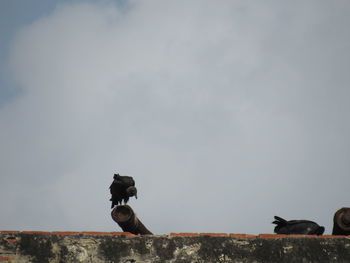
[302, 227]
[121, 189]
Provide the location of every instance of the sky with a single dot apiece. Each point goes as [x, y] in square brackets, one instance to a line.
[225, 113]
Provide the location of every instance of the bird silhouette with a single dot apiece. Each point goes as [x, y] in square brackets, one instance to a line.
[122, 188]
[302, 227]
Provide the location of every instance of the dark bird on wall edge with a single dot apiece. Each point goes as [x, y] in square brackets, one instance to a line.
[301, 227]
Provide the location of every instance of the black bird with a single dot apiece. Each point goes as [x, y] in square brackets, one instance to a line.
[302, 227]
[121, 189]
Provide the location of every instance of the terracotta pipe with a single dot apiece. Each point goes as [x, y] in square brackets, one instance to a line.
[341, 222]
[128, 221]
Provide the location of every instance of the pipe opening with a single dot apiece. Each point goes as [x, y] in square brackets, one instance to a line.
[123, 213]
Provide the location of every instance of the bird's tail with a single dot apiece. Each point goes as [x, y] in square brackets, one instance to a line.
[320, 231]
[279, 221]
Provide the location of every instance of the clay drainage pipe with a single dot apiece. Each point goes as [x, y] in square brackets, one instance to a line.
[128, 221]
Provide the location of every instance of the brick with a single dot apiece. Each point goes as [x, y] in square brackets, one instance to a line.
[8, 232]
[184, 234]
[11, 240]
[272, 236]
[97, 233]
[6, 258]
[332, 236]
[36, 233]
[122, 234]
[242, 236]
[214, 234]
[65, 233]
[299, 236]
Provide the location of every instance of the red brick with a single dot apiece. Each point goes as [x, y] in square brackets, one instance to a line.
[6, 258]
[332, 236]
[272, 236]
[8, 232]
[11, 240]
[242, 236]
[122, 234]
[299, 236]
[36, 232]
[97, 233]
[214, 234]
[65, 233]
[184, 234]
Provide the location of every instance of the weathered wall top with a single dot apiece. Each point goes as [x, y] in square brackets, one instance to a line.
[102, 247]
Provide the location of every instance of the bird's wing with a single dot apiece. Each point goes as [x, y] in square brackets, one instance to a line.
[117, 190]
[127, 180]
[303, 227]
[296, 222]
[117, 185]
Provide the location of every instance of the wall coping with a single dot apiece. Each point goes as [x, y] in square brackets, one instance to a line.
[121, 247]
[181, 234]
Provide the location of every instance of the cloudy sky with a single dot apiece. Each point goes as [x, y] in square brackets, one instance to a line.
[226, 113]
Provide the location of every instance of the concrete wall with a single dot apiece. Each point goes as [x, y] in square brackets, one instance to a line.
[97, 247]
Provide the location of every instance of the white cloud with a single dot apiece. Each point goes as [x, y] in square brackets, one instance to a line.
[225, 114]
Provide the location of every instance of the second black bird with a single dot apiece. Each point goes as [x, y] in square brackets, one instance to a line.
[301, 227]
[122, 188]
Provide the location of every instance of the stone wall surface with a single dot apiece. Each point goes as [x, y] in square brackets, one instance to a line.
[101, 247]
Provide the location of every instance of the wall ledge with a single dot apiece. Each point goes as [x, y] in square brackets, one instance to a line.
[183, 234]
[108, 247]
